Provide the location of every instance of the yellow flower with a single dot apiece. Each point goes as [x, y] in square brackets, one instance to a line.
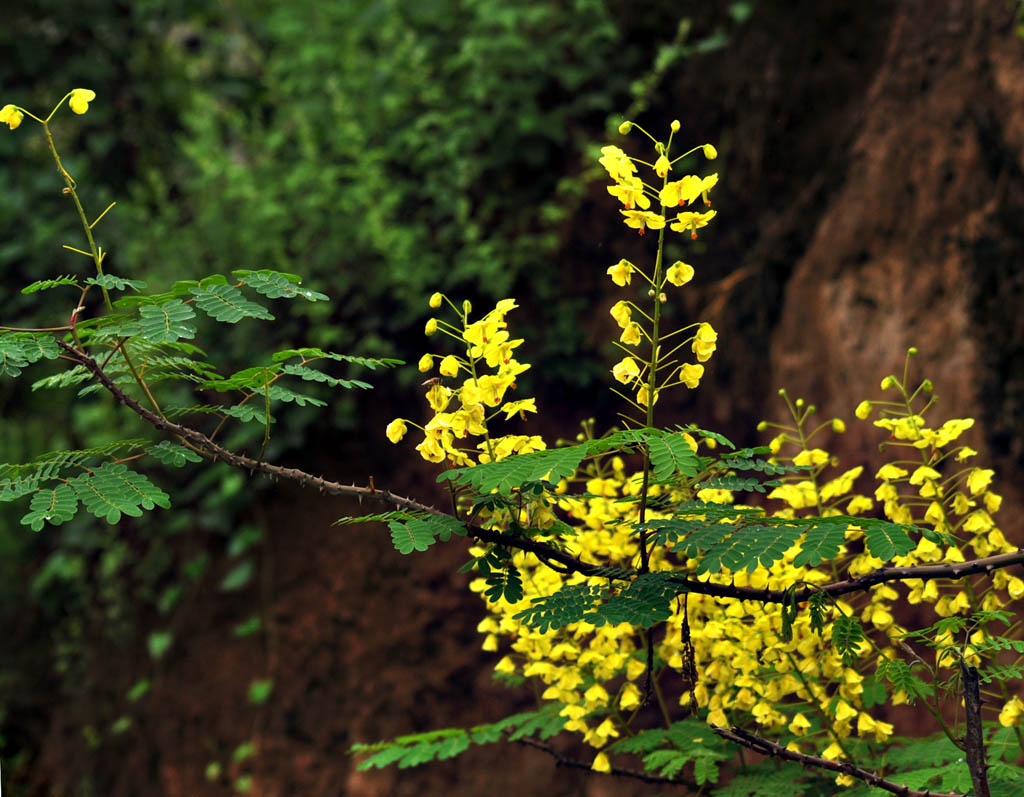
[80, 99]
[890, 472]
[626, 370]
[431, 327]
[616, 163]
[11, 116]
[621, 313]
[425, 364]
[601, 763]
[435, 300]
[625, 127]
[681, 192]
[396, 430]
[1011, 712]
[979, 480]
[704, 342]
[631, 334]
[661, 166]
[838, 426]
[449, 366]
[692, 222]
[630, 191]
[812, 457]
[621, 273]
[690, 374]
[522, 407]
[710, 152]
[640, 220]
[679, 273]
[799, 725]
[863, 410]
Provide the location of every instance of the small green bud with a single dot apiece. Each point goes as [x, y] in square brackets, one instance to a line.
[762, 426]
[912, 351]
[467, 308]
[927, 386]
[889, 381]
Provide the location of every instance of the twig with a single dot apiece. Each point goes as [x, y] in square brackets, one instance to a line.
[766, 747]
[564, 761]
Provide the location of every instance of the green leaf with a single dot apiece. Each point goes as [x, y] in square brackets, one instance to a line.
[19, 349]
[505, 583]
[279, 393]
[45, 285]
[418, 534]
[110, 282]
[569, 605]
[248, 627]
[113, 490]
[821, 544]
[248, 413]
[670, 454]
[644, 602]
[240, 575]
[260, 691]
[173, 454]
[277, 285]
[51, 506]
[506, 474]
[158, 643]
[312, 375]
[228, 304]
[166, 323]
[888, 541]
[847, 634]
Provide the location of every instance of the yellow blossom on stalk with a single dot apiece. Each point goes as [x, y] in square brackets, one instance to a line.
[661, 166]
[431, 327]
[704, 342]
[679, 273]
[710, 152]
[449, 366]
[522, 407]
[692, 222]
[396, 430]
[681, 192]
[630, 191]
[640, 220]
[601, 763]
[690, 374]
[626, 370]
[631, 335]
[11, 116]
[616, 163]
[622, 313]
[811, 457]
[1009, 715]
[425, 364]
[80, 99]
[621, 273]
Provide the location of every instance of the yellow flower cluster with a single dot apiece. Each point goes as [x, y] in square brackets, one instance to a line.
[78, 101]
[801, 690]
[483, 373]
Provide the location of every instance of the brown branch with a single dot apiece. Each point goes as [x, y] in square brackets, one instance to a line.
[564, 761]
[542, 550]
[975, 740]
[769, 748]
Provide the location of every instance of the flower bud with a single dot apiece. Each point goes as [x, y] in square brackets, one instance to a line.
[762, 426]
[625, 127]
[426, 363]
[467, 308]
[927, 386]
[838, 426]
[650, 293]
[710, 152]
[888, 382]
[863, 410]
[431, 327]
[675, 125]
[435, 300]
[912, 351]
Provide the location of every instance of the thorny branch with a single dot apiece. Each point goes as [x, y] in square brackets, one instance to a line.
[545, 552]
[766, 747]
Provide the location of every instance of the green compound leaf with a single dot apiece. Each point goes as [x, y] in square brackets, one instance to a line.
[113, 283]
[821, 544]
[311, 353]
[313, 375]
[737, 547]
[505, 583]
[173, 454]
[418, 534]
[279, 393]
[847, 634]
[69, 378]
[20, 349]
[887, 541]
[228, 304]
[670, 454]
[248, 413]
[644, 602]
[506, 474]
[51, 506]
[45, 285]
[382, 517]
[113, 490]
[166, 323]
[569, 605]
[277, 284]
